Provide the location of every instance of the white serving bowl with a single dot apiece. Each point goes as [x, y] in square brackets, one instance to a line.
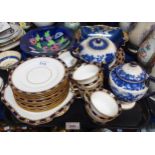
[40, 24]
[9, 58]
[86, 73]
[104, 104]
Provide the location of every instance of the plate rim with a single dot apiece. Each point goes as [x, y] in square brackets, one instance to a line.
[48, 119]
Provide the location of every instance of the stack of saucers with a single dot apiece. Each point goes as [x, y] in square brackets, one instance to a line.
[39, 84]
[38, 90]
[101, 105]
[10, 38]
[87, 77]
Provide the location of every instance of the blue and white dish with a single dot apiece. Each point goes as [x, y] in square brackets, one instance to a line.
[47, 40]
[128, 82]
[98, 50]
[8, 59]
[115, 34]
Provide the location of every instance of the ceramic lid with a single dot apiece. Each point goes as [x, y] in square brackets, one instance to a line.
[99, 45]
[131, 72]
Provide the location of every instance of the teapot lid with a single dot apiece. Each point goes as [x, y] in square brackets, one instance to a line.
[131, 72]
[98, 44]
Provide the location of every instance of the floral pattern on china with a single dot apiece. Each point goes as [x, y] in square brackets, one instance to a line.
[128, 82]
[98, 50]
[48, 42]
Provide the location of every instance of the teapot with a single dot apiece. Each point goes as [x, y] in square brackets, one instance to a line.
[129, 82]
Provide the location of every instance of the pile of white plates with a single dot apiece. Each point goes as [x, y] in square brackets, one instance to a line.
[38, 90]
[10, 38]
[101, 105]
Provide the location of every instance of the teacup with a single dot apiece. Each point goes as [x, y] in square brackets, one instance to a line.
[86, 73]
[102, 105]
[68, 59]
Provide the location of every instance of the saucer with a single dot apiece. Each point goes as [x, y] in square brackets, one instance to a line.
[38, 74]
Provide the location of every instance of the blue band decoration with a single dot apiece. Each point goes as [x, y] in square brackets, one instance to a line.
[9, 57]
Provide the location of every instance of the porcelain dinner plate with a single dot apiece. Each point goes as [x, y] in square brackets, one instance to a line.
[34, 116]
[38, 74]
[17, 30]
[6, 33]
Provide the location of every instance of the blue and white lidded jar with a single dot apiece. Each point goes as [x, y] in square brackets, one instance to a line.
[128, 82]
[98, 50]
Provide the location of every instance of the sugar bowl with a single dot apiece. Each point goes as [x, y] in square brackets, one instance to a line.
[128, 82]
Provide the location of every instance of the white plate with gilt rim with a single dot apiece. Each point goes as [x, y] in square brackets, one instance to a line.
[38, 74]
[34, 116]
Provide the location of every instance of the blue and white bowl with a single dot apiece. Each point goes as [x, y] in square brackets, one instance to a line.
[98, 50]
[8, 59]
[128, 82]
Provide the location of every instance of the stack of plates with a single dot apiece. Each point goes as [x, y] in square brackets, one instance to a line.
[101, 105]
[39, 84]
[10, 38]
[38, 90]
